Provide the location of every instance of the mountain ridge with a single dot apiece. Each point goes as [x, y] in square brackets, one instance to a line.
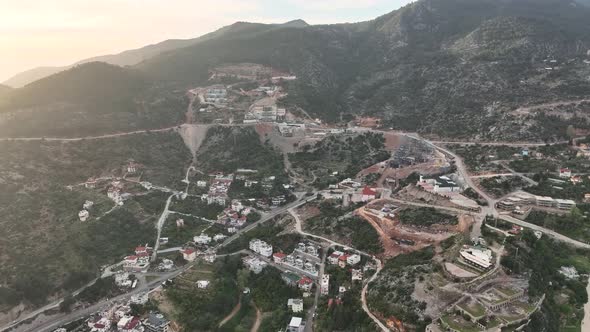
[446, 68]
[134, 56]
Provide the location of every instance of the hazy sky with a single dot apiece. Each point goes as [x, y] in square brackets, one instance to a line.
[60, 32]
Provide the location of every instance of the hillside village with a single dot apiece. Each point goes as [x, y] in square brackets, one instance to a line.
[296, 225]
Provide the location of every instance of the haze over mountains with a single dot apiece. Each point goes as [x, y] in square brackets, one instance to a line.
[133, 57]
[441, 67]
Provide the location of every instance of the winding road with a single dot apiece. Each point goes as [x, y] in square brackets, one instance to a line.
[75, 139]
[299, 229]
[61, 319]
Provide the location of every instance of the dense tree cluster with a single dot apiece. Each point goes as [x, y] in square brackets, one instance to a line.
[425, 216]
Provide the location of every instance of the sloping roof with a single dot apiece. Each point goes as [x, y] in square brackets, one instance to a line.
[369, 191]
[304, 281]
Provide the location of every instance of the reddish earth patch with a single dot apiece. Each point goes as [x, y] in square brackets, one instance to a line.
[393, 141]
[377, 168]
[308, 211]
[263, 129]
[368, 122]
[391, 231]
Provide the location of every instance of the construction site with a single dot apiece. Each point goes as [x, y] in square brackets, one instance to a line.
[397, 237]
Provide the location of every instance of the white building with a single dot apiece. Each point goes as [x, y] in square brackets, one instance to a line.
[201, 184]
[87, 205]
[480, 257]
[236, 205]
[122, 279]
[261, 247]
[219, 237]
[565, 204]
[202, 284]
[349, 183]
[254, 264]
[296, 325]
[296, 305]
[189, 254]
[545, 201]
[442, 184]
[569, 272]
[565, 173]
[353, 259]
[83, 215]
[202, 239]
[357, 275]
[325, 284]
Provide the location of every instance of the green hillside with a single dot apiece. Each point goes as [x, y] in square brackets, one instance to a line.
[45, 248]
[89, 84]
[135, 56]
[445, 67]
[90, 99]
[454, 68]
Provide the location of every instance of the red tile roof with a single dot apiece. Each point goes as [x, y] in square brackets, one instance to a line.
[279, 255]
[132, 324]
[304, 281]
[369, 191]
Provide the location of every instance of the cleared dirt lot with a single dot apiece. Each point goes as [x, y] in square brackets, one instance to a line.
[459, 272]
[398, 238]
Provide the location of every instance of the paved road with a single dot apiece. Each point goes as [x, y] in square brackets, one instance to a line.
[47, 307]
[490, 175]
[163, 251]
[364, 298]
[490, 209]
[549, 232]
[311, 312]
[64, 319]
[515, 144]
[461, 169]
[298, 227]
[521, 175]
[269, 216]
[74, 139]
[78, 314]
[186, 179]
[160, 225]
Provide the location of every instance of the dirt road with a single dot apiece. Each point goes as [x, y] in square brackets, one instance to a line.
[232, 313]
[527, 109]
[258, 321]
